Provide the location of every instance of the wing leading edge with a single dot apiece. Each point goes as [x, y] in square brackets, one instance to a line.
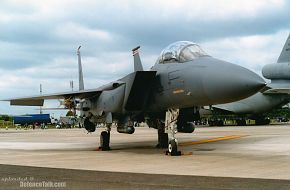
[82, 94]
[39, 100]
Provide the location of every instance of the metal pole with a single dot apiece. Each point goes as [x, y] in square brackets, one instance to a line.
[40, 90]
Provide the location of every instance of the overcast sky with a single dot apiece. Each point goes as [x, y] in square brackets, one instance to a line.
[38, 39]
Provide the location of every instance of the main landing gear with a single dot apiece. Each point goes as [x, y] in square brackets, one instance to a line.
[105, 139]
[171, 130]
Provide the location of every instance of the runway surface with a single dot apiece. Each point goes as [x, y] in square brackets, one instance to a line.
[81, 179]
[237, 157]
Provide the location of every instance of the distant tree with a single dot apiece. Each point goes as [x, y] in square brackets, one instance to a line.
[5, 118]
[279, 112]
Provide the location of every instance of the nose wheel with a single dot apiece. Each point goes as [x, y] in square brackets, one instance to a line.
[171, 129]
[172, 148]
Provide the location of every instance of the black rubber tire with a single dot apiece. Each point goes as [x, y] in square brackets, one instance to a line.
[132, 130]
[105, 141]
[172, 148]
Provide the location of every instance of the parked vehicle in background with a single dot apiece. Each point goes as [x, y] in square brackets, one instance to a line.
[67, 122]
[32, 119]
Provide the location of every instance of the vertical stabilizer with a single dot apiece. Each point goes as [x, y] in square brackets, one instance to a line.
[137, 61]
[81, 78]
[285, 54]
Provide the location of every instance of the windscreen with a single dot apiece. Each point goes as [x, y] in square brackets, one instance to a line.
[182, 51]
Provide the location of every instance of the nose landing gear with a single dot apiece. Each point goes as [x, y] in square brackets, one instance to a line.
[171, 129]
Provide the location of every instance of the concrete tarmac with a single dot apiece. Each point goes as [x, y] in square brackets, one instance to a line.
[16, 177]
[214, 158]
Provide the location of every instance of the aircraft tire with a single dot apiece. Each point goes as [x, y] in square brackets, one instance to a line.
[105, 141]
[172, 148]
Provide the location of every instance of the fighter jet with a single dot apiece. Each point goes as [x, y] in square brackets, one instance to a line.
[183, 78]
[276, 93]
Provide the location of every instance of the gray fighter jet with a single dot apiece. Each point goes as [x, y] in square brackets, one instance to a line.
[183, 78]
[276, 93]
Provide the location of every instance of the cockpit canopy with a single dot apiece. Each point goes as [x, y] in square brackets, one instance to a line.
[181, 51]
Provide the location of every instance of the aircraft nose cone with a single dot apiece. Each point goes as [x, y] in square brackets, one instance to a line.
[232, 83]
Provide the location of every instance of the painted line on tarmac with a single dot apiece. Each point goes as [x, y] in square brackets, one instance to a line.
[211, 140]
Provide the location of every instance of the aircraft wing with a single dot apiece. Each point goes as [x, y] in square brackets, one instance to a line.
[230, 108]
[278, 91]
[39, 100]
[279, 88]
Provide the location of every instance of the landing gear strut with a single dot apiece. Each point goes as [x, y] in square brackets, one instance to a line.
[171, 129]
[105, 139]
[162, 136]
